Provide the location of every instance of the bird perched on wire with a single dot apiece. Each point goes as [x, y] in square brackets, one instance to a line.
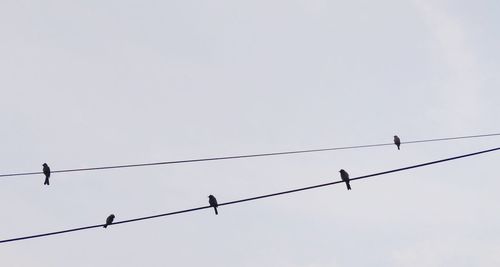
[46, 171]
[109, 220]
[213, 203]
[397, 141]
[345, 177]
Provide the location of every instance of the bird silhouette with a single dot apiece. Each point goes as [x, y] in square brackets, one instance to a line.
[109, 220]
[213, 203]
[397, 141]
[345, 177]
[46, 171]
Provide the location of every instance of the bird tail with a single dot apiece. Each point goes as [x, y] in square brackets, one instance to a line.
[46, 181]
[398, 147]
[105, 226]
[216, 213]
[348, 186]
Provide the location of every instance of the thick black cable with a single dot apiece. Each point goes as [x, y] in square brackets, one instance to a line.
[253, 198]
[246, 156]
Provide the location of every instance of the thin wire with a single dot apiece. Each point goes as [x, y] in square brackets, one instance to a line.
[247, 156]
[253, 198]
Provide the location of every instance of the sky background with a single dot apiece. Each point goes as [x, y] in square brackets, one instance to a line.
[93, 83]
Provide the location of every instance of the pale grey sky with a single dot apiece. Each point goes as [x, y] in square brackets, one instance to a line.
[91, 83]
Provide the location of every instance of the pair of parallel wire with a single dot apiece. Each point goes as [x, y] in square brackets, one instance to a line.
[250, 156]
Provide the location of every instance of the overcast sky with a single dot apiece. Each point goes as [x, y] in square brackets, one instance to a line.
[92, 83]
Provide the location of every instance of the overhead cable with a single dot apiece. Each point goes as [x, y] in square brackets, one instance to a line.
[246, 156]
[253, 198]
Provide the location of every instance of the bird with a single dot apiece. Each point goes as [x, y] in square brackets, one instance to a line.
[213, 203]
[345, 177]
[109, 220]
[46, 171]
[397, 141]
